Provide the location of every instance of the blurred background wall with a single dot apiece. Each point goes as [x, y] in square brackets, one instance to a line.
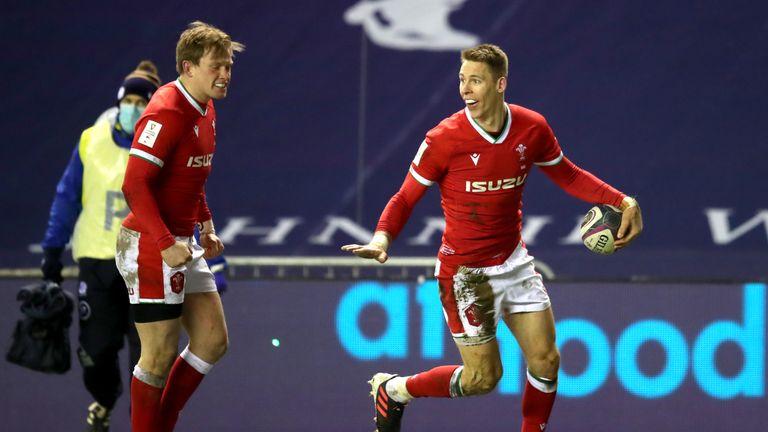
[328, 105]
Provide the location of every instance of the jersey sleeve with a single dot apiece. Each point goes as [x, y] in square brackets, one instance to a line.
[431, 161]
[582, 184]
[204, 213]
[156, 137]
[400, 206]
[572, 179]
[548, 149]
[67, 204]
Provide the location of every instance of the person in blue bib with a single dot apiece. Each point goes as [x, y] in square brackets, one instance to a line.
[88, 208]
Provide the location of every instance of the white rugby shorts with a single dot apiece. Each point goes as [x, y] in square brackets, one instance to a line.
[474, 299]
[150, 280]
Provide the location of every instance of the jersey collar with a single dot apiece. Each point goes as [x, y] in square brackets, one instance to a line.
[189, 97]
[486, 135]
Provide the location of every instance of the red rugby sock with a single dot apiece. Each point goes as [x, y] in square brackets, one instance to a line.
[182, 383]
[433, 383]
[537, 405]
[145, 406]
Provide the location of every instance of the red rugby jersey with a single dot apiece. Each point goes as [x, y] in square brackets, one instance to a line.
[172, 152]
[481, 180]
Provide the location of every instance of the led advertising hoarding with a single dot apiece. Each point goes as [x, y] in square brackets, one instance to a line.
[635, 357]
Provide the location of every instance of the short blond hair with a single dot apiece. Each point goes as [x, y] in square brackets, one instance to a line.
[198, 39]
[491, 55]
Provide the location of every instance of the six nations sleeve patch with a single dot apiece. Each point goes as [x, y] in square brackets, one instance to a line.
[150, 133]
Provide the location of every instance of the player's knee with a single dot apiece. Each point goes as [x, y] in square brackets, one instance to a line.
[485, 384]
[213, 348]
[220, 346]
[159, 360]
[481, 381]
[545, 363]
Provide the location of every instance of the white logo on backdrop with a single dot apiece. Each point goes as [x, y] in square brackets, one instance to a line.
[410, 24]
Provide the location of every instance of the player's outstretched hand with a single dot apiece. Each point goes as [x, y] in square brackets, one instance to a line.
[370, 251]
[212, 245]
[631, 224]
[178, 254]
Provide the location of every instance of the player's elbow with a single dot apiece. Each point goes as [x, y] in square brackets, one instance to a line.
[129, 191]
[134, 187]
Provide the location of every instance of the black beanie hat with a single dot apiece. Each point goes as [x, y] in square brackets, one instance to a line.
[143, 81]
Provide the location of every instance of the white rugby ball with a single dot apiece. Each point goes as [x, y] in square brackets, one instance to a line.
[600, 227]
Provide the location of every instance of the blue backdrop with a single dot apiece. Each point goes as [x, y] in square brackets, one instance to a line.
[664, 100]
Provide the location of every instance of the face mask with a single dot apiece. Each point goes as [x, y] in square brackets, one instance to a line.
[128, 116]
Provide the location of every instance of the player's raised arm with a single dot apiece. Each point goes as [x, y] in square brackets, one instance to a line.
[587, 187]
[391, 222]
[375, 249]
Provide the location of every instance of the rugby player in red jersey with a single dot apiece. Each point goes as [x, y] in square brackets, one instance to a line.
[157, 255]
[480, 157]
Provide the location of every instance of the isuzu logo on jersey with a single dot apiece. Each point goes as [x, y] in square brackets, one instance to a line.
[494, 185]
[200, 161]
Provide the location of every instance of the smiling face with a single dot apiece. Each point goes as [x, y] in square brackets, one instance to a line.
[211, 77]
[204, 61]
[482, 92]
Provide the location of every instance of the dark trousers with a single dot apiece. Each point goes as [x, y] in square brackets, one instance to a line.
[105, 322]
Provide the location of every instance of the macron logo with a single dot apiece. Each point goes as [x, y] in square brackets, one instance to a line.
[543, 426]
[475, 158]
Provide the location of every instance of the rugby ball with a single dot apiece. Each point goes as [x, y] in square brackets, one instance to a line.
[600, 227]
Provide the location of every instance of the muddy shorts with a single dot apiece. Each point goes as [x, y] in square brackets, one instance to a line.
[150, 280]
[474, 299]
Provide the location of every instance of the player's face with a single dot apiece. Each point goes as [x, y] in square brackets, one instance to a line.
[480, 90]
[213, 74]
